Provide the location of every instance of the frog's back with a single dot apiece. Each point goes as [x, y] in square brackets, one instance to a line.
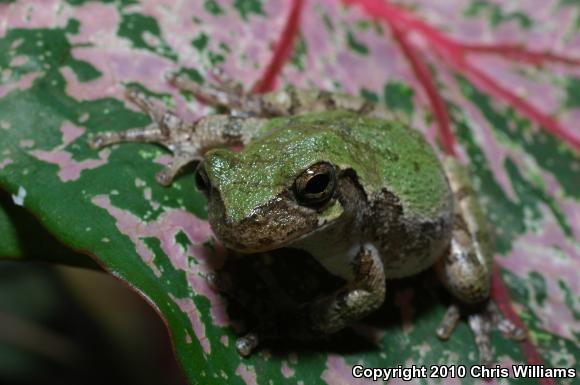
[410, 202]
[405, 165]
[384, 154]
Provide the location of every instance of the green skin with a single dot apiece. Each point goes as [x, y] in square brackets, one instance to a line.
[384, 154]
[342, 179]
[257, 179]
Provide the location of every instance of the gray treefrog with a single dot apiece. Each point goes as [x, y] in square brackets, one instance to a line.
[341, 178]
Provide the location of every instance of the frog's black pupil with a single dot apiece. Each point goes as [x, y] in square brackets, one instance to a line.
[317, 184]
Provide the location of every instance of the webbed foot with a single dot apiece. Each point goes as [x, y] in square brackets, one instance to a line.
[481, 322]
[221, 283]
[167, 130]
[268, 315]
[224, 92]
[246, 344]
[187, 141]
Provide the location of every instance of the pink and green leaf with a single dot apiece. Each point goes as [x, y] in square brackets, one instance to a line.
[64, 69]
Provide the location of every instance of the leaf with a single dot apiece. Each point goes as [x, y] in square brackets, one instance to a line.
[63, 76]
[23, 238]
[10, 247]
[65, 325]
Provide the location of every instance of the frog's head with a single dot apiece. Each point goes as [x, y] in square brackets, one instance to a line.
[277, 190]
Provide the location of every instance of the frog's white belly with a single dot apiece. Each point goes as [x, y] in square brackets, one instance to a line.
[340, 261]
[335, 247]
[338, 258]
[401, 266]
[335, 252]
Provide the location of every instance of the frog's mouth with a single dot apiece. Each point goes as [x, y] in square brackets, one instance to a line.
[272, 226]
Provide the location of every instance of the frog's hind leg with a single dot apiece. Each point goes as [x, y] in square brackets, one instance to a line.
[188, 141]
[223, 92]
[466, 269]
[228, 93]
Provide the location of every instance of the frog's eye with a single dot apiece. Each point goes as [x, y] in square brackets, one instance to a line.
[316, 185]
[202, 181]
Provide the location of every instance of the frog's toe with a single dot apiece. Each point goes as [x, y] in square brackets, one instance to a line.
[149, 106]
[222, 92]
[215, 94]
[246, 344]
[449, 322]
[225, 82]
[219, 282]
[96, 142]
[181, 159]
[507, 327]
[481, 322]
[146, 134]
[164, 129]
[222, 283]
[480, 325]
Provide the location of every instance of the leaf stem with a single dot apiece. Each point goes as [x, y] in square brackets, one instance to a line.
[424, 77]
[283, 49]
[521, 54]
[501, 296]
[455, 55]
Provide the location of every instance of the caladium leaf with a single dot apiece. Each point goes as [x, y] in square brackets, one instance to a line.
[23, 238]
[64, 69]
[10, 247]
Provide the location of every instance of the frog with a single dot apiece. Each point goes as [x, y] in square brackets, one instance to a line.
[342, 178]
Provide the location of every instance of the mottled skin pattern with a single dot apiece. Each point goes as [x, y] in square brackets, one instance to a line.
[344, 180]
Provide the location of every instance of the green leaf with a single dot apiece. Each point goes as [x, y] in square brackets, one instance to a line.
[213, 7]
[573, 93]
[399, 96]
[23, 238]
[356, 45]
[10, 246]
[247, 7]
[496, 14]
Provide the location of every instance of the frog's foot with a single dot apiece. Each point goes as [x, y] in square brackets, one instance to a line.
[356, 300]
[224, 92]
[268, 332]
[221, 282]
[481, 323]
[228, 93]
[167, 130]
[247, 343]
[188, 141]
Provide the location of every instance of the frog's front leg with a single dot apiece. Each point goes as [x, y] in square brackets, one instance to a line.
[188, 141]
[466, 270]
[324, 315]
[356, 299]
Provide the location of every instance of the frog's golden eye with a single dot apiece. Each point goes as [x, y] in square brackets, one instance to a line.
[316, 185]
[202, 181]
